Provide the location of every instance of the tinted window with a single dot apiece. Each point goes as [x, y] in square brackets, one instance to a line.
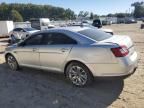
[34, 40]
[17, 29]
[95, 34]
[57, 39]
[29, 29]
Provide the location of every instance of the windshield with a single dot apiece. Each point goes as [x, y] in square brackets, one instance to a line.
[29, 29]
[97, 35]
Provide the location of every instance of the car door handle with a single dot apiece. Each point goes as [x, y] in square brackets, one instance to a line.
[35, 49]
[64, 49]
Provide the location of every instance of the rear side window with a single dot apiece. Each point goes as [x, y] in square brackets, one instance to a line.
[57, 39]
[95, 34]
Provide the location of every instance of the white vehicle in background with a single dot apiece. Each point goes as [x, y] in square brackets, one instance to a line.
[41, 23]
[20, 34]
[97, 23]
[109, 31]
[6, 27]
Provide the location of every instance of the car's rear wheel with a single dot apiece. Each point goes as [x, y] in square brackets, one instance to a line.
[78, 74]
[12, 63]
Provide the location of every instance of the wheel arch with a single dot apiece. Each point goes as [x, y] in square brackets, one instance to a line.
[7, 55]
[77, 61]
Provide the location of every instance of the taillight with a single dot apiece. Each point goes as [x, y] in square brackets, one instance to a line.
[121, 51]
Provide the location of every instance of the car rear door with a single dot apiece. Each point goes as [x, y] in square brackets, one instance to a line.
[55, 50]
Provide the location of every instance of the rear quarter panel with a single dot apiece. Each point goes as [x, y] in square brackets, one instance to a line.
[90, 54]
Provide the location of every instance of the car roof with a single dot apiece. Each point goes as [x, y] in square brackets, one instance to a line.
[71, 28]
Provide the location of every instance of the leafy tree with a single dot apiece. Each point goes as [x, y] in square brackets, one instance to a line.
[15, 16]
[69, 14]
[139, 9]
[28, 11]
[86, 14]
[110, 15]
[96, 16]
[121, 15]
[83, 14]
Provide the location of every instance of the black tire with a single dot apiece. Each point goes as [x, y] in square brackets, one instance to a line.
[82, 73]
[12, 62]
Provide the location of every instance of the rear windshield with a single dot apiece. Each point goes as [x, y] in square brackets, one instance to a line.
[97, 35]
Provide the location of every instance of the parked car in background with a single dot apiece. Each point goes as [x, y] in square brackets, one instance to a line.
[105, 22]
[81, 53]
[97, 23]
[41, 23]
[130, 20]
[20, 33]
[110, 31]
[120, 20]
[87, 21]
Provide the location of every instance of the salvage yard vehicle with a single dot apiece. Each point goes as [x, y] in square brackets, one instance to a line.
[97, 23]
[81, 53]
[20, 34]
[109, 31]
[41, 23]
[130, 20]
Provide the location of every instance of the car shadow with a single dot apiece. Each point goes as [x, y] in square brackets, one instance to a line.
[32, 88]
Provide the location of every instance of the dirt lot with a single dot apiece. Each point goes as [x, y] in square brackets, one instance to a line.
[31, 88]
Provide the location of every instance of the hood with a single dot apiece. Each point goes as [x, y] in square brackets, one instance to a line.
[33, 31]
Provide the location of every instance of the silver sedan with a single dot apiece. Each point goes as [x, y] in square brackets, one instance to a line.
[81, 53]
[21, 33]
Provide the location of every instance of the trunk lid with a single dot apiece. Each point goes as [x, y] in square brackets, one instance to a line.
[121, 40]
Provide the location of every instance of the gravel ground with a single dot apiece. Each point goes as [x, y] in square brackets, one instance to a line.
[30, 88]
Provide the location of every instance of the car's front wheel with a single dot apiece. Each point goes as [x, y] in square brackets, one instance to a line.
[78, 74]
[12, 63]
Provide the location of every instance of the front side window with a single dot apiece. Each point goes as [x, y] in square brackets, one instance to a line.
[57, 39]
[34, 40]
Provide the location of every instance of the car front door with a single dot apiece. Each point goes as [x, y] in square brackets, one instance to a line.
[28, 51]
[55, 50]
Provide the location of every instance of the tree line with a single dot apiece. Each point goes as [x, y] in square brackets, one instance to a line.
[137, 13]
[24, 12]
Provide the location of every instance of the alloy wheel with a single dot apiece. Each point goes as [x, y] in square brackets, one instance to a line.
[77, 75]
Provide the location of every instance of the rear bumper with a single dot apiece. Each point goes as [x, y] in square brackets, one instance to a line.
[123, 68]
